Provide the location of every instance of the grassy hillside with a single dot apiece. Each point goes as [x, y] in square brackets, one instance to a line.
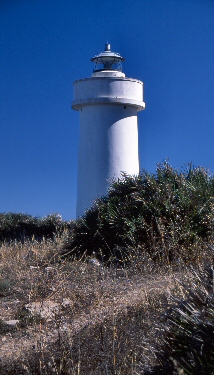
[126, 289]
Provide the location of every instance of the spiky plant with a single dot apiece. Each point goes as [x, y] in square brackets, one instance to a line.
[188, 344]
[164, 212]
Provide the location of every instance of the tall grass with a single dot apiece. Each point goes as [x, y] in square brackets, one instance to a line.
[187, 342]
[87, 318]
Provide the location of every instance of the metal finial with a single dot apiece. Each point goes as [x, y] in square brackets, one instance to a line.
[107, 46]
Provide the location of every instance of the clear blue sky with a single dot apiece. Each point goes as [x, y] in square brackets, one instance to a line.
[47, 44]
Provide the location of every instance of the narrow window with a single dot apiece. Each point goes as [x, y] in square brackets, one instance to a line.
[124, 106]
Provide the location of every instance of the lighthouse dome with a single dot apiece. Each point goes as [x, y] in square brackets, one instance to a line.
[107, 61]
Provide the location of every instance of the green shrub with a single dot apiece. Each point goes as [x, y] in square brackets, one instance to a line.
[6, 287]
[16, 226]
[162, 212]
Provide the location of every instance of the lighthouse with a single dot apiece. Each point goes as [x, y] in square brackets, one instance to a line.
[108, 103]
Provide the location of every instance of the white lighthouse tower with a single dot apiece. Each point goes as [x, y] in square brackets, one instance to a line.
[108, 103]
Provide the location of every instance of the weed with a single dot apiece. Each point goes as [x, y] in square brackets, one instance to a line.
[6, 287]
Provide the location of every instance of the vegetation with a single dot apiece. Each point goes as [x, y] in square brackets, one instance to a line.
[167, 213]
[21, 227]
[189, 340]
[131, 293]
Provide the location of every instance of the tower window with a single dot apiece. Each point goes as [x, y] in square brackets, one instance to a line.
[124, 106]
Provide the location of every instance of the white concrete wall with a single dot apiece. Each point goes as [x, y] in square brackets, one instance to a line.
[108, 145]
[107, 90]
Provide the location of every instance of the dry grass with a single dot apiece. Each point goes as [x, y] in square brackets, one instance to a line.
[78, 317]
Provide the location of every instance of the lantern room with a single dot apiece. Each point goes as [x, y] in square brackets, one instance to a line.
[107, 60]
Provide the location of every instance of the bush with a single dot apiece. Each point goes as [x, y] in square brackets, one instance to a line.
[16, 226]
[6, 287]
[162, 212]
